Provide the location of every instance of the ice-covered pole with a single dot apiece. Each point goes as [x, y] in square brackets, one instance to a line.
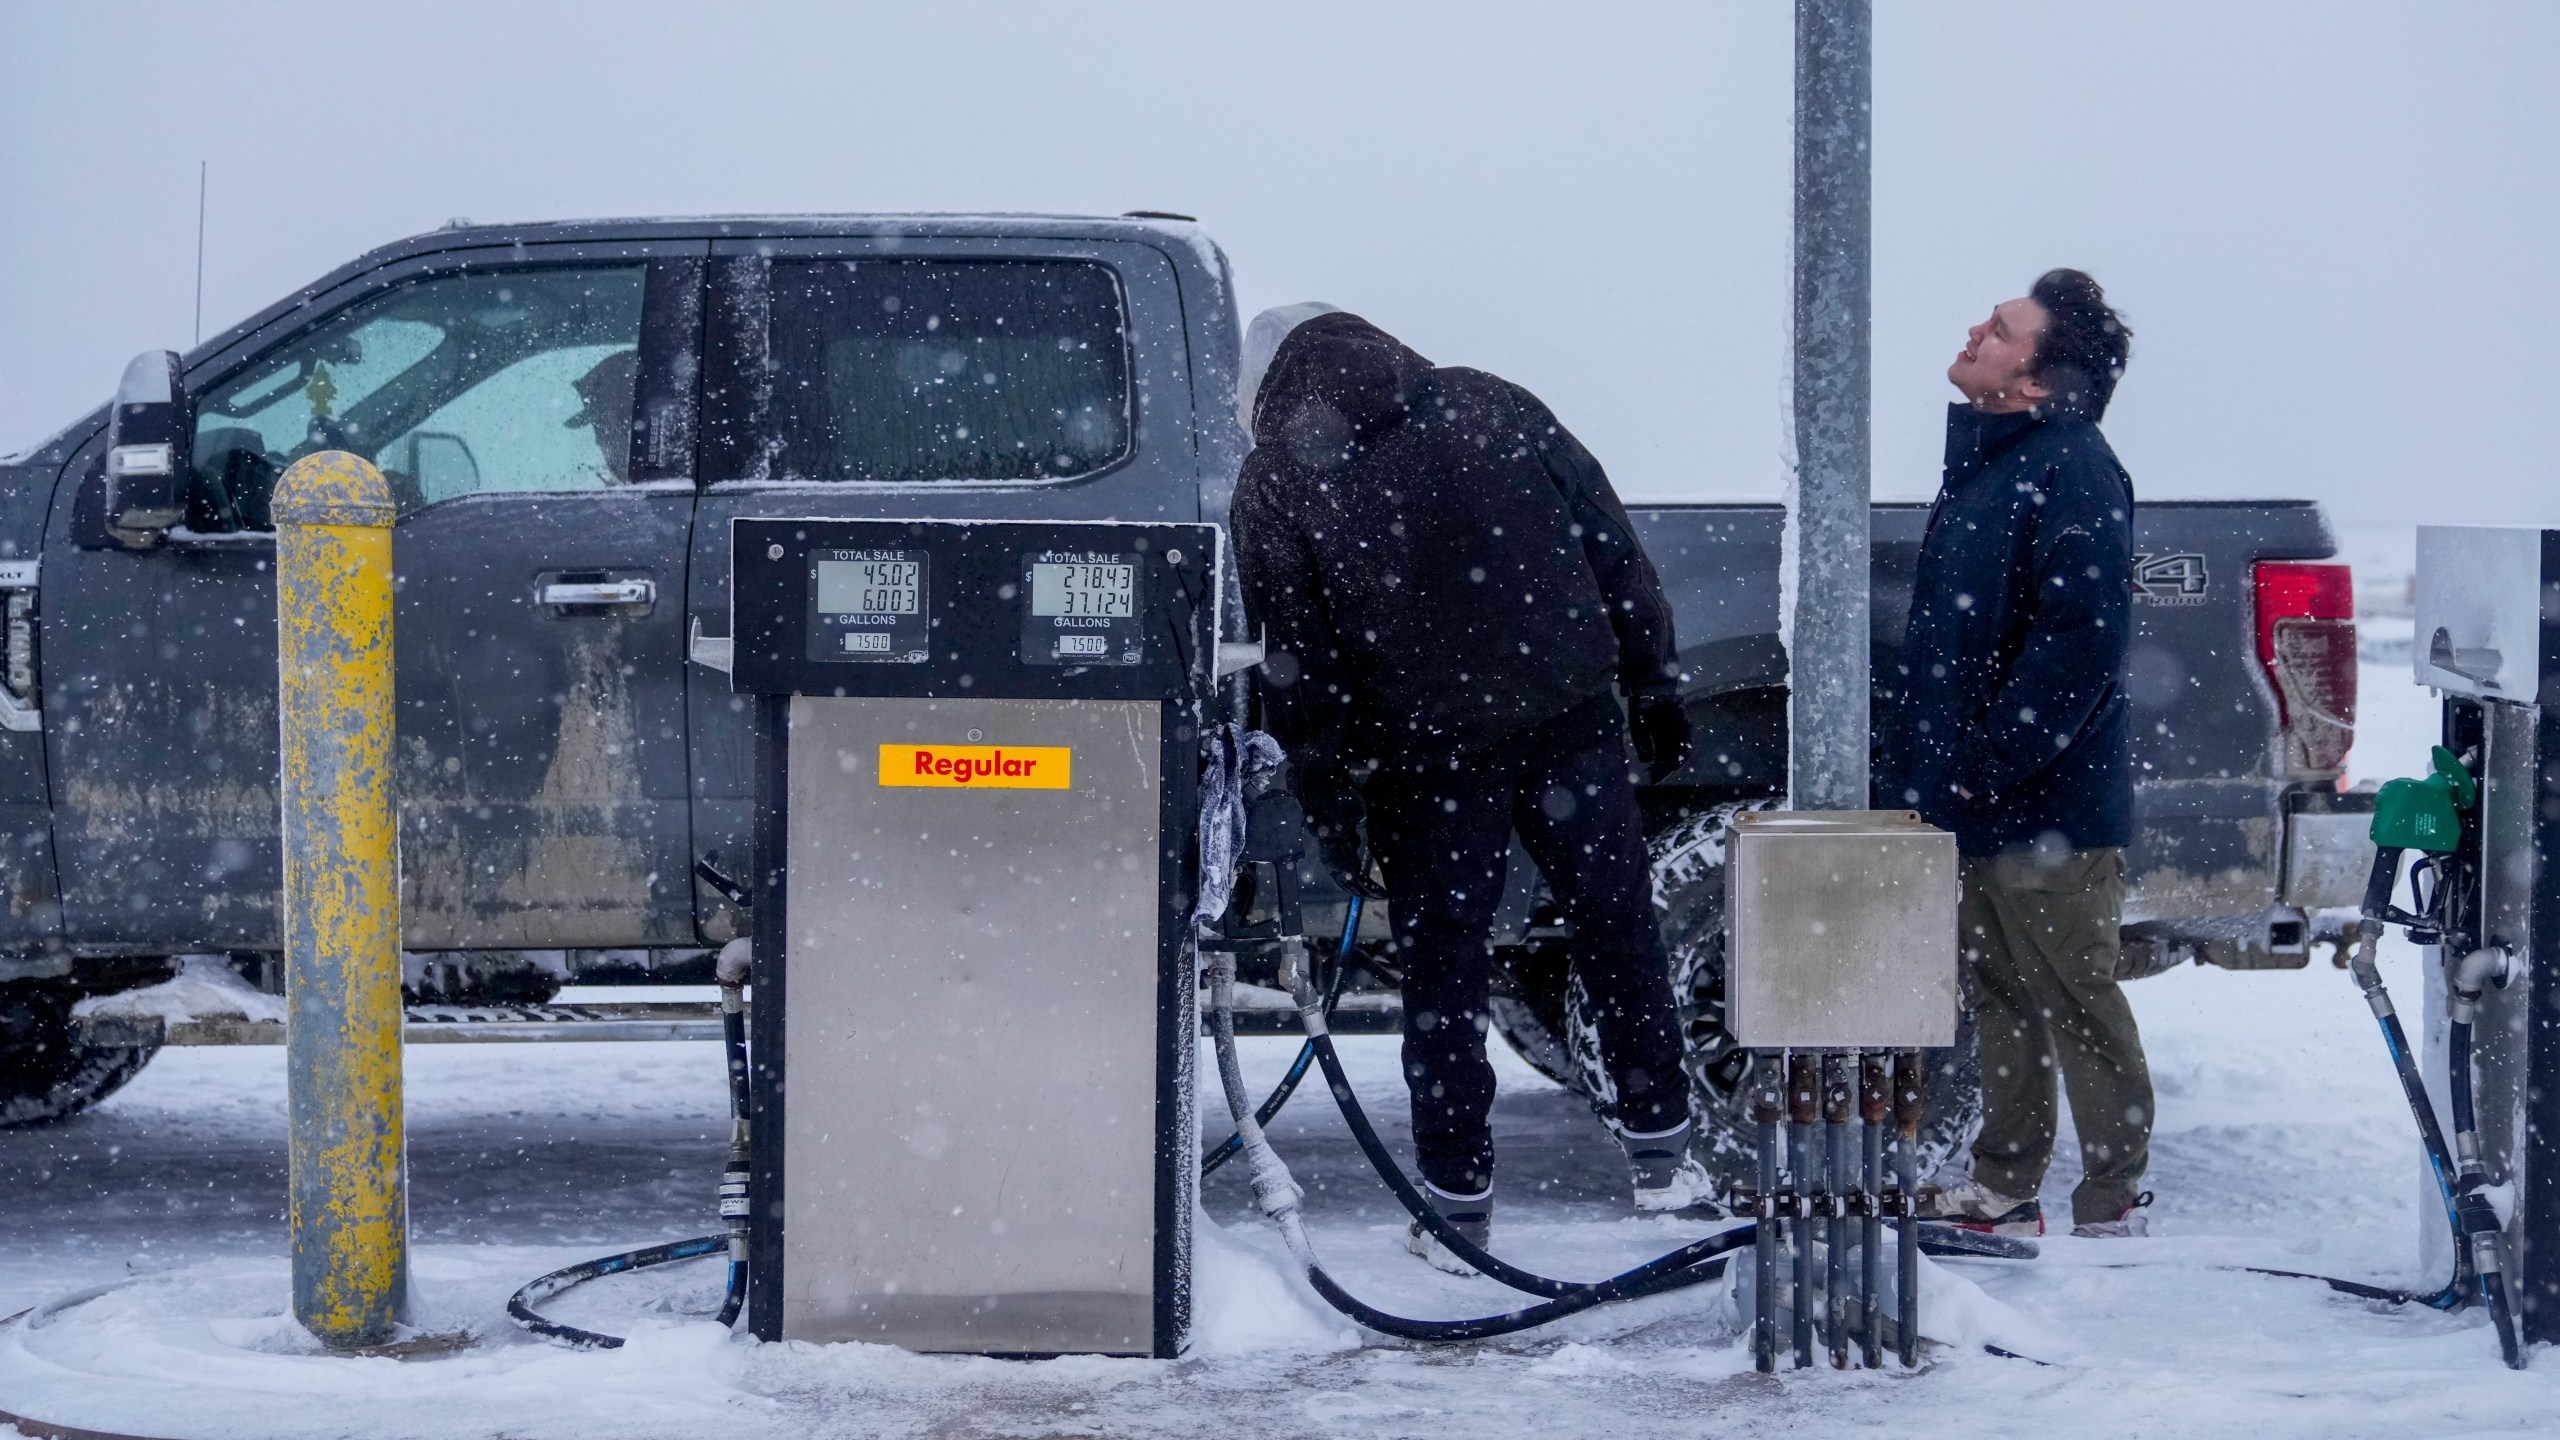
[1827, 719]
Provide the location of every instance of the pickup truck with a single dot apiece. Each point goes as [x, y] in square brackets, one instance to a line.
[570, 415]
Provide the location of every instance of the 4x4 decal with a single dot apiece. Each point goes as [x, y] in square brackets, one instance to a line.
[2170, 579]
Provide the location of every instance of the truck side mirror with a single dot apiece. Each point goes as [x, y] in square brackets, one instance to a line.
[150, 434]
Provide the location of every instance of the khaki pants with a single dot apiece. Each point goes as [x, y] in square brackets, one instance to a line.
[2040, 957]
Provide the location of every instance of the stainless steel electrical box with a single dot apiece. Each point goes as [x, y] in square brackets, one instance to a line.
[974, 1016]
[1842, 926]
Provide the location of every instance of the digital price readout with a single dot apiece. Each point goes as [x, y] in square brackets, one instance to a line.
[869, 605]
[1084, 608]
[936, 609]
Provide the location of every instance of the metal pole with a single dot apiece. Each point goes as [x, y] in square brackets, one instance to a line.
[1804, 1152]
[1906, 1164]
[1827, 706]
[1768, 1108]
[348, 1149]
[1875, 1104]
[1839, 1105]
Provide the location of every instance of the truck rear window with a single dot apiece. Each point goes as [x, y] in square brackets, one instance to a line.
[906, 371]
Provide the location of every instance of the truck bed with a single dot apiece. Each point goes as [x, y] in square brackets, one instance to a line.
[2210, 784]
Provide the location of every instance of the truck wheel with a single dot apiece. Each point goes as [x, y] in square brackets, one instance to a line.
[45, 1076]
[1542, 1011]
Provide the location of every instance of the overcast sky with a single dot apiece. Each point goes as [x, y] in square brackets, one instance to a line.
[2330, 224]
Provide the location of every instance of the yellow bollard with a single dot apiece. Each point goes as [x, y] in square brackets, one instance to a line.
[349, 1147]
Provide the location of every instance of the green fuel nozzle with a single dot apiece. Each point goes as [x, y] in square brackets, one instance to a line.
[2423, 814]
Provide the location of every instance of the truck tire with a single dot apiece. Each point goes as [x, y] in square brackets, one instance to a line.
[1541, 1010]
[45, 1075]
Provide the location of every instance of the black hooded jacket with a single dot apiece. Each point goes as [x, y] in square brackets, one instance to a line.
[2010, 684]
[1433, 561]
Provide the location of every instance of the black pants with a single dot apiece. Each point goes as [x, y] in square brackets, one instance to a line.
[1442, 831]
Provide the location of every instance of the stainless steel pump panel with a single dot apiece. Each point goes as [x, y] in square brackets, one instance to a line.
[2488, 639]
[2488, 611]
[974, 1014]
[1843, 930]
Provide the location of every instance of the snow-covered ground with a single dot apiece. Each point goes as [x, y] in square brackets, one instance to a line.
[2282, 1142]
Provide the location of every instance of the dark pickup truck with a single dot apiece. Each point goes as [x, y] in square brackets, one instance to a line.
[571, 414]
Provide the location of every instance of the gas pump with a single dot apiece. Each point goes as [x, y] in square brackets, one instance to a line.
[974, 1008]
[2483, 823]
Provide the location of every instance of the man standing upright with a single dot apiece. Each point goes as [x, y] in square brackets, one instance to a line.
[2009, 730]
[1448, 591]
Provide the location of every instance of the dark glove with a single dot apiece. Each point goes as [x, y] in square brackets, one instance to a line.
[1661, 731]
[1331, 797]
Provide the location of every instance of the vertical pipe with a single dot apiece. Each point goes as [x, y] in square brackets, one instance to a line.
[1839, 1103]
[1906, 1166]
[1874, 1105]
[348, 1165]
[1828, 561]
[1804, 1110]
[1768, 1107]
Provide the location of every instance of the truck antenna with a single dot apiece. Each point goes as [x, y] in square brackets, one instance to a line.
[201, 168]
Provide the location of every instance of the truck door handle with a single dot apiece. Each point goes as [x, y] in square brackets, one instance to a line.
[591, 594]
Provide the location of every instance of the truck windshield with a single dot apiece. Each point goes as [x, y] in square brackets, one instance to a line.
[922, 370]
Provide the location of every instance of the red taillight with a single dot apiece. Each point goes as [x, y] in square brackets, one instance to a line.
[2307, 640]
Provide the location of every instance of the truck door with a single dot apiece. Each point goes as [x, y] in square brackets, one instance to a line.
[933, 377]
[532, 409]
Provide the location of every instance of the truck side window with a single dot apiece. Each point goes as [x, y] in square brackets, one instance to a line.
[903, 371]
[453, 385]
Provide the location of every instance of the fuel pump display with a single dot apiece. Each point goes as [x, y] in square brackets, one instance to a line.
[1083, 610]
[868, 605]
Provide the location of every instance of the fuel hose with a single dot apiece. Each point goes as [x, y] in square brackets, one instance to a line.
[1271, 1105]
[733, 1202]
[2456, 1169]
[1278, 1194]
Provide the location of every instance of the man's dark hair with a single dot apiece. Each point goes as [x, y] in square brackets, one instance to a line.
[2085, 344]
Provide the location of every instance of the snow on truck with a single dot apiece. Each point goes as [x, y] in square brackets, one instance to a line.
[570, 415]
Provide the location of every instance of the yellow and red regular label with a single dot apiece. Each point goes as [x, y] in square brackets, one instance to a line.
[978, 767]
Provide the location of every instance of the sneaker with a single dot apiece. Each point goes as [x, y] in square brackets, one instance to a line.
[1691, 1188]
[1470, 1215]
[1664, 1176]
[2133, 1224]
[1968, 1204]
[1662, 1172]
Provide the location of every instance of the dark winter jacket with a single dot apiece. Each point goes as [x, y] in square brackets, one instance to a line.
[1433, 561]
[2011, 681]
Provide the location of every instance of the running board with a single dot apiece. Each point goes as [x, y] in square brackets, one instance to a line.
[1364, 1014]
[434, 1025]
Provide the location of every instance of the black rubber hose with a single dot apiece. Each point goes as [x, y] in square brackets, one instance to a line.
[1390, 1171]
[1692, 1264]
[2439, 1163]
[734, 1298]
[2413, 1087]
[733, 1035]
[2473, 1216]
[2493, 1288]
[2447, 1298]
[733, 1038]
[2439, 1156]
[520, 1304]
[1288, 1086]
